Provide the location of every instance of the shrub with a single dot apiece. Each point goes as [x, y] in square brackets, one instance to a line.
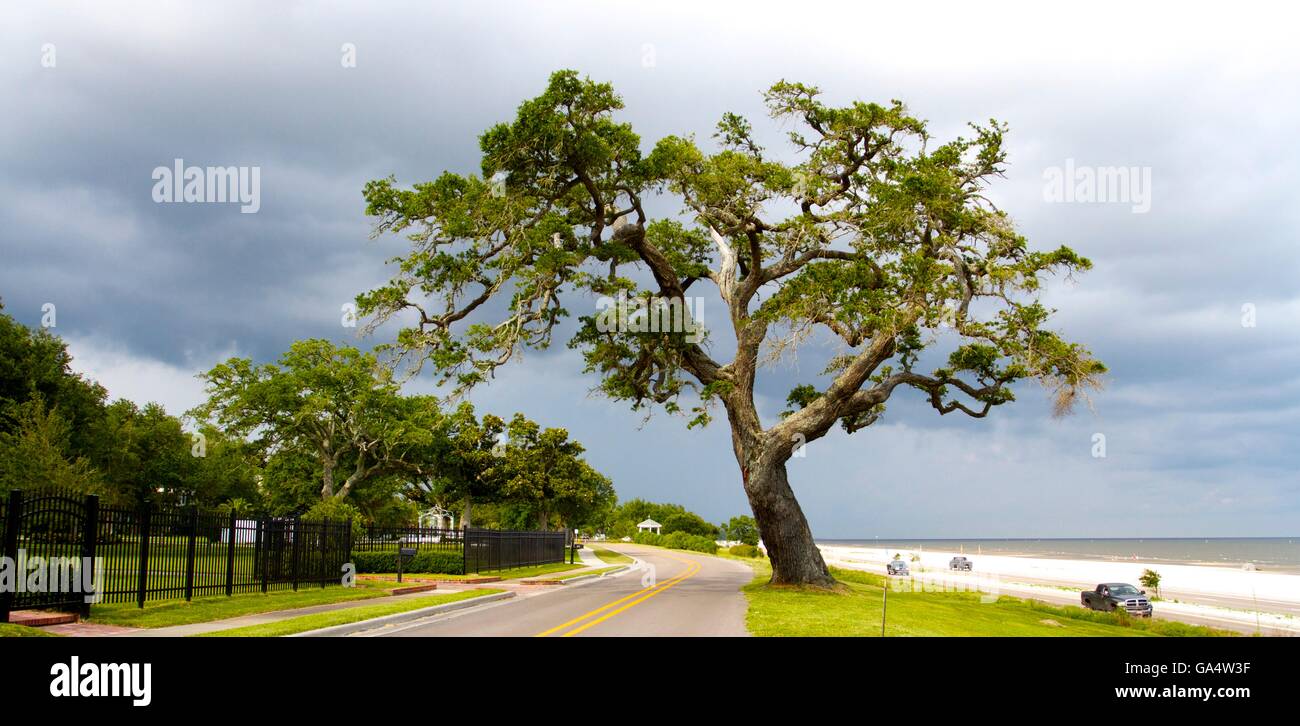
[447, 563]
[678, 541]
[1150, 579]
[745, 550]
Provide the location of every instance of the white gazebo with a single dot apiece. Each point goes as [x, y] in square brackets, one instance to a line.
[650, 526]
[437, 518]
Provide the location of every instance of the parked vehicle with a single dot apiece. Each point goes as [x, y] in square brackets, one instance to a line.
[960, 563]
[1112, 596]
[897, 567]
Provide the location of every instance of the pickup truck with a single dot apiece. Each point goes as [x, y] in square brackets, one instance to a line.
[960, 563]
[1112, 596]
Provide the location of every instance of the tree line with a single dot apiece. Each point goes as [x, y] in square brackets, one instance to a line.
[323, 431]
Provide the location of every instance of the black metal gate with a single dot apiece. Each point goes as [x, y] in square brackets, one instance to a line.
[79, 552]
[49, 543]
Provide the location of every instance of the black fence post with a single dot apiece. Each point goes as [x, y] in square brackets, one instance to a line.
[259, 556]
[297, 546]
[189, 554]
[347, 545]
[142, 584]
[13, 516]
[324, 538]
[89, 539]
[230, 556]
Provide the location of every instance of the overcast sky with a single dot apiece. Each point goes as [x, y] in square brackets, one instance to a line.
[1200, 411]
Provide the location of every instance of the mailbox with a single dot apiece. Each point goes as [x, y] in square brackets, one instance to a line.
[403, 555]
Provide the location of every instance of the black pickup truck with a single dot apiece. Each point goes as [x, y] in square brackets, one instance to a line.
[1111, 596]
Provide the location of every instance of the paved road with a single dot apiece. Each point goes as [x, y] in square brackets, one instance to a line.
[690, 595]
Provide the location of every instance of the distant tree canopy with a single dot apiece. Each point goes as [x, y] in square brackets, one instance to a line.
[742, 529]
[337, 403]
[622, 520]
[336, 416]
[56, 428]
[324, 432]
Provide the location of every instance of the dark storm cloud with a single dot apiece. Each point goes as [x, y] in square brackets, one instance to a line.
[1199, 414]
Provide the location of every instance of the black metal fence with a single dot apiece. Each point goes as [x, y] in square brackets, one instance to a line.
[148, 553]
[424, 539]
[491, 549]
[480, 550]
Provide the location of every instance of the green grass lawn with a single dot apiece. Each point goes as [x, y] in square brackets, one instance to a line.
[855, 610]
[612, 557]
[162, 613]
[342, 617]
[11, 630]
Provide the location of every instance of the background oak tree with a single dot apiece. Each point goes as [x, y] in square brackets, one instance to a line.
[867, 234]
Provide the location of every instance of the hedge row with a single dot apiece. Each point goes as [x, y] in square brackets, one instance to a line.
[678, 541]
[446, 563]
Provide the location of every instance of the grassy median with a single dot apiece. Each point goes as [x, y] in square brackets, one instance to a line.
[164, 613]
[13, 630]
[342, 617]
[612, 557]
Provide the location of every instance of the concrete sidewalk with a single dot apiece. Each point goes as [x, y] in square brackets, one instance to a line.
[590, 559]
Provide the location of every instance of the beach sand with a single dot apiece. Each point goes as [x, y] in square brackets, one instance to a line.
[1201, 590]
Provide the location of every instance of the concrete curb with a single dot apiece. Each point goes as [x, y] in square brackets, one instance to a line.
[349, 628]
[592, 576]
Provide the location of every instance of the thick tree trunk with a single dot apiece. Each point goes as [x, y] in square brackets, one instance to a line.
[783, 527]
[465, 515]
[327, 483]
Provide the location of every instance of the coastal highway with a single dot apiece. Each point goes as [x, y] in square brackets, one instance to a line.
[692, 595]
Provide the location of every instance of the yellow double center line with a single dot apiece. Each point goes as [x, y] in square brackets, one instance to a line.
[636, 598]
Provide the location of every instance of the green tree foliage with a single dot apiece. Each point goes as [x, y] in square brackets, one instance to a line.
[742, 529]
[337, 403]
[543, 470]
[56, 428]
[622, 521]
[37, 451]
[1150, 580]
[35, 364]
[468, 471]
[871, 236]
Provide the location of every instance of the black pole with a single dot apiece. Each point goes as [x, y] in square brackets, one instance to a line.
[189, 554]
[324, 529]
[89, 536]
[142, 583]
[259, 556]
[230, 556]
[13, 516]
[297, 546]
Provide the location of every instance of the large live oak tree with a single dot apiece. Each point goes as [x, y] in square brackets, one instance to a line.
[869, 234]
[336, 404]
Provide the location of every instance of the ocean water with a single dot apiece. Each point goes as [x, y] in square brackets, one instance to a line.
[1267, 554]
